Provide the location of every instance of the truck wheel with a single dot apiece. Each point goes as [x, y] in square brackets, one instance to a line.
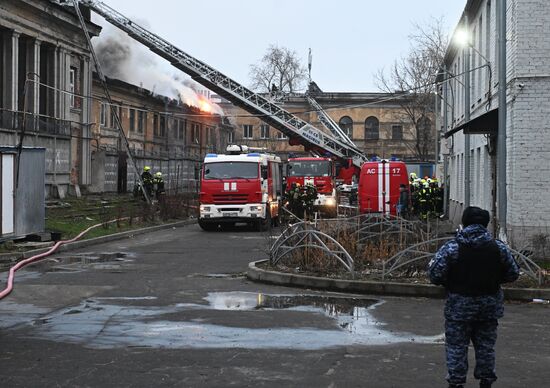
[208, 226]
[264, 224]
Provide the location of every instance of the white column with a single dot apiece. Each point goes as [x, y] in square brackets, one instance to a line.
[55, 83]
[33, 67]
[86, 91]
[10, 58]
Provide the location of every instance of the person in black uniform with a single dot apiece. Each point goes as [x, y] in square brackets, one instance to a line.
[472, 267]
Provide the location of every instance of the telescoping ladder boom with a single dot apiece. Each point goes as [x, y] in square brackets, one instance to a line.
[289, 124]
[328, 122]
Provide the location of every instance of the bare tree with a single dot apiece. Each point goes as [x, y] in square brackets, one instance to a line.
[412, 80]
[280, 69]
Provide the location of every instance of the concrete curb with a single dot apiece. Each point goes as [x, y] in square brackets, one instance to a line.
[8, 259]
[373, 287]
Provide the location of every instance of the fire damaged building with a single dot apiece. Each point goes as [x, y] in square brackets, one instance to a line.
[45, 78]
[163, 133]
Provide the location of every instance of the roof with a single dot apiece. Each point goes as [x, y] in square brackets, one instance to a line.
[247, 158]
[309, 158]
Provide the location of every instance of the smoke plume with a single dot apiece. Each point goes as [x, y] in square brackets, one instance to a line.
[123, 58]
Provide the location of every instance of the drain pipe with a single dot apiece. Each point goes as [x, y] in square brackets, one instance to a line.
[40, 256]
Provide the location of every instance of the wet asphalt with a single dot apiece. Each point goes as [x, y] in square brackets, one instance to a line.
[174, 309]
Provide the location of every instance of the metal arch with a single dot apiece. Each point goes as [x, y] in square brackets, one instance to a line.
[395, 262]
[311, 238]
[530, 268]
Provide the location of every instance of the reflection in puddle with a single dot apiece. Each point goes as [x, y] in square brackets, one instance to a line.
[77, 262]
[98, 325]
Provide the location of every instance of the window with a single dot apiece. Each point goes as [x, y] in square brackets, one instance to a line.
[162, 126]
[142, 119]
[281, 136]
[264, 131]
[372, 128]
[247, 131]
[231, 170]
[102, 114]
[397, 132]
[346, 125]
[181, 129]
[195, 133]
[132, 118]
[72, 86]
[230, 137]
[114, 110]
[156, 125]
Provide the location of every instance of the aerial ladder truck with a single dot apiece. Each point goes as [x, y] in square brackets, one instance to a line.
[297, 130]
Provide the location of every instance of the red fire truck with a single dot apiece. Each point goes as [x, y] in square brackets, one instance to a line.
[379, 186]
[319, 172]
[240, 187]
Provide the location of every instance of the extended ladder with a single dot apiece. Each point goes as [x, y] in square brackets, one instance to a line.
[239, 95]
[328, 122]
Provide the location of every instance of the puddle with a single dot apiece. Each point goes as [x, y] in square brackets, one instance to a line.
[96, 323]
[218, 275]
[74, 263]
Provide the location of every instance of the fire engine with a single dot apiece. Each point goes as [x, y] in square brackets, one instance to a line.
[332, 141]
[240, 186]
[379, 186]
[319, 172]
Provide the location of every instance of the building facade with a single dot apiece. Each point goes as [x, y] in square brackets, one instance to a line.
[527, 110]
[162, 133]
[45, 82]
[375, 122]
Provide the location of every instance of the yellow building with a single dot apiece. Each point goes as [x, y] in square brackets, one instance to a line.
[376, 122]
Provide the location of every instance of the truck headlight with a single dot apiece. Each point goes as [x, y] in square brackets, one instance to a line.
[330, 202]
[205, 208]
[255, 208]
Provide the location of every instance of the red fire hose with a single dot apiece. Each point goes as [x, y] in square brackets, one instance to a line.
[32, 259]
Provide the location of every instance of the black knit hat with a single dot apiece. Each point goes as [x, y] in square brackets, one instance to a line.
[475, 215]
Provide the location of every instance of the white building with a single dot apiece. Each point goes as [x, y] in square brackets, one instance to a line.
[528, 115]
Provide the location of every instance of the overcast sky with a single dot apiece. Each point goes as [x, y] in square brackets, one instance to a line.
[350, 39]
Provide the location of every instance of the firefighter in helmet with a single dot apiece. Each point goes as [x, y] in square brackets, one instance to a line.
[147, 180]
[158, 181]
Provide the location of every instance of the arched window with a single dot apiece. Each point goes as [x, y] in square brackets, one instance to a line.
[372, 128]
[346, 125]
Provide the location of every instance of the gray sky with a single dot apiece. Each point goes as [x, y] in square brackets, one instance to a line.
[350, 39]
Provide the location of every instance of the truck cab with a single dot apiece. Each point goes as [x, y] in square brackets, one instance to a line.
[319, 172]
[240, 187]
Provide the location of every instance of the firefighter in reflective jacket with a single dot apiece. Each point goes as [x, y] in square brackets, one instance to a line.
[294, 199]
[158, 181]
[424, 200]
[472, 267]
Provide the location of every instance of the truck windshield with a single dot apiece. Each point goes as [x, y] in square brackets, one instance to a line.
[309, 168]
[231, 170]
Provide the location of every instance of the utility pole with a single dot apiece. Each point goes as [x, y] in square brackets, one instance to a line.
[467, 66]
[501, 139]
[445, 126]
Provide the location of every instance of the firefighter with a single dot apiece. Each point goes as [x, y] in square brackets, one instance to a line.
[415, 196]
[424, 200]
[158, 181]
[403, 202]
[294, 199]
[309, 196]
[147, 180]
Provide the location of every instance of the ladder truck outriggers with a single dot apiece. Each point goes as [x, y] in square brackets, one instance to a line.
[240, 186]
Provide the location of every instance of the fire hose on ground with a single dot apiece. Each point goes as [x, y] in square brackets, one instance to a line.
[33, 259]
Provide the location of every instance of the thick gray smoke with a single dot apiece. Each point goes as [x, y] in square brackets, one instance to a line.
[123, 58]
